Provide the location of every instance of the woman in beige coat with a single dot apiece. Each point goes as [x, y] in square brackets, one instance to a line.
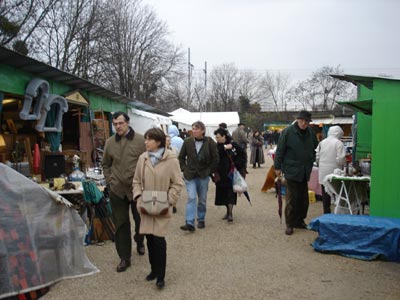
[157, 170]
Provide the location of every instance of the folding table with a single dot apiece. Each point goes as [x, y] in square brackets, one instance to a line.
[350, 193]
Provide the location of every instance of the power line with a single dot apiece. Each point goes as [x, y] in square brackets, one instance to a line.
[308, 69]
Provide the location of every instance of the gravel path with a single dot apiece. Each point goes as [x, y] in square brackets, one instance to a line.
[251, 258]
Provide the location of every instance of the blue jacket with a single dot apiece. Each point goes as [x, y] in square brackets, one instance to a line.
[176, 140]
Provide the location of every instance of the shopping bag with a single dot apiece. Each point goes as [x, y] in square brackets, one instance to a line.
[239, 184]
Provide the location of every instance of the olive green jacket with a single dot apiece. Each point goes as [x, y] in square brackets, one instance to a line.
[121, 155]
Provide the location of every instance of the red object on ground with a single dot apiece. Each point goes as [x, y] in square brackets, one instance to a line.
[36, 160]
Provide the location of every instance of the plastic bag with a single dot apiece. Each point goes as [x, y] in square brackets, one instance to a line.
[239, 184]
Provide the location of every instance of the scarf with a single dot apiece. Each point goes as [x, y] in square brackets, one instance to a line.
[155, 156]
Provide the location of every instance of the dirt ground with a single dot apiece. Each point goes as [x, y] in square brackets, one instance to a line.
[251, 258]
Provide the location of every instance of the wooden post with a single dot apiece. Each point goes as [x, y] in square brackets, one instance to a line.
[28, 152]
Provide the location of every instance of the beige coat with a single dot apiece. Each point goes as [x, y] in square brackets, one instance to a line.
[164, 176]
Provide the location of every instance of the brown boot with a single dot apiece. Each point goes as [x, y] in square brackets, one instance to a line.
[289, 231]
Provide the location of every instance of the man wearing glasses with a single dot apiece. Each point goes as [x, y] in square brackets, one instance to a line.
[121, 153]
[295, 155]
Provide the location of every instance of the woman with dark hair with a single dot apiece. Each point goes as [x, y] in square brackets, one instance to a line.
[229, 153]
[157, 170]
[257, 153]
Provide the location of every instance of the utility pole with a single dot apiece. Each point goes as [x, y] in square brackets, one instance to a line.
[189, 83]
[205, 84]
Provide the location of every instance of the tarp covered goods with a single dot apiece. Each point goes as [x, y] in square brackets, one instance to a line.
[41, 239]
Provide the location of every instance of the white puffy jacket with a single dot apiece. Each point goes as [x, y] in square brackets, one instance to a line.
[330, 153]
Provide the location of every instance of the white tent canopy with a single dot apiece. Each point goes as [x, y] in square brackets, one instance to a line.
[332, 120]
[141, 120]
[185, 119]
[179, 111]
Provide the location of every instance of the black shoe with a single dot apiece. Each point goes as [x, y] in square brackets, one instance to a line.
[289, 231]
[188, 227]
[160, 283]
[123, 265]
[174, 210]
[201, 225]
[301, 225]
[140, 249]
[230, 218]
[225, 217]
[151, 277]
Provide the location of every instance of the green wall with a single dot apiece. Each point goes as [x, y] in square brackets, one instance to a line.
[385, 192]
[14, 81]
[97, 103]
[364, 123]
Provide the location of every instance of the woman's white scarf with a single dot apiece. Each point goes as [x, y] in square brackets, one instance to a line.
[155, 156]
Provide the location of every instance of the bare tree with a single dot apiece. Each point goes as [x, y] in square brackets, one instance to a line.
[249, 86]
[225, 82]
[20, 18]
[275, 88]
[137, 52]
[303, 94]
[172, 91]
[321, 91]
[67, 35]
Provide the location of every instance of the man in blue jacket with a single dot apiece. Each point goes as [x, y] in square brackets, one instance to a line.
[295, 155]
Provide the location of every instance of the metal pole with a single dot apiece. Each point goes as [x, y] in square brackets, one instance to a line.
[205, 84]
[189, 71]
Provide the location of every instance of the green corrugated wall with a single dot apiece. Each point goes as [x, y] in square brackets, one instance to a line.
[14, 81]
[385, 192]
[364, 123]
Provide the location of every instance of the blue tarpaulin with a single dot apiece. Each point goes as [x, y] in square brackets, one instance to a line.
[362, 237]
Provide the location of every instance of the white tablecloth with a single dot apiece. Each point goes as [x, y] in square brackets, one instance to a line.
[348, 192]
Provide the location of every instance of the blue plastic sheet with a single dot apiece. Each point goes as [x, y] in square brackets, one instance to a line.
[362, 237]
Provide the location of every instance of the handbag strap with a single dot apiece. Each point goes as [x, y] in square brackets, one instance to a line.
[142, 179]
[231, 160]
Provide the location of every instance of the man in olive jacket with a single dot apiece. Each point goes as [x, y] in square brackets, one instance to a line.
[294, 157]
[121, 154]
[198, 159]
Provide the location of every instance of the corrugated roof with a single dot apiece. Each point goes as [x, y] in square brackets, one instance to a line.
[332, 120]
[364, 106]
[364, 80]
[33, 66]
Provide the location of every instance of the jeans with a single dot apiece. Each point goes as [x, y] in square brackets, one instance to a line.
[196, 187]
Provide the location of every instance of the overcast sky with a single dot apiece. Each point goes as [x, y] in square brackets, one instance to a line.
[294, 36]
